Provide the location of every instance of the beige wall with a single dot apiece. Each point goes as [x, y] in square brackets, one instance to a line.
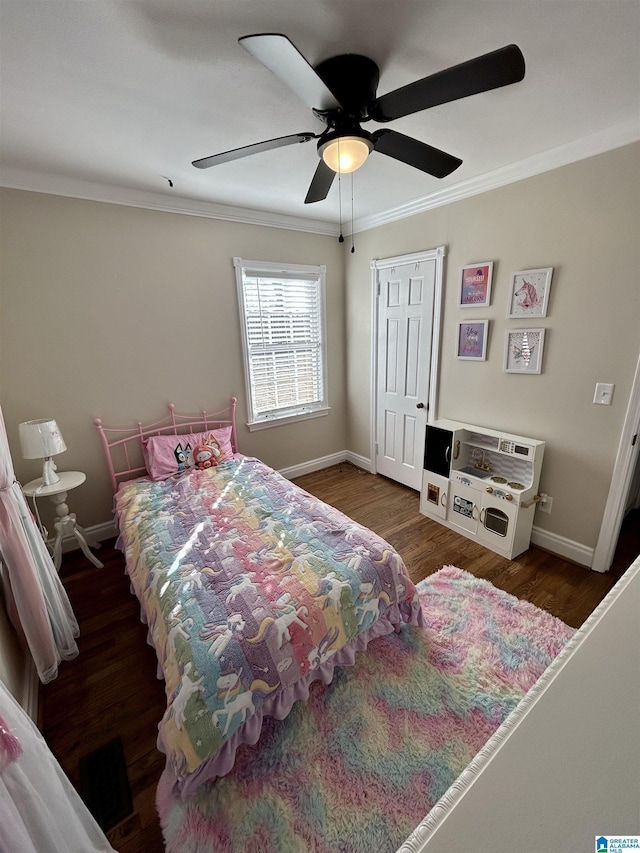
[583, 220]
[113, 311]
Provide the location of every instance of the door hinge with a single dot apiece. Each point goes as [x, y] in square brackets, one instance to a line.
[633, 440]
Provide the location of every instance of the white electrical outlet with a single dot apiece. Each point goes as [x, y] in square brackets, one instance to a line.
[545, 504]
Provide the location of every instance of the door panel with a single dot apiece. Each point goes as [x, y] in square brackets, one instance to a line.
[404, 333]
[409, 441]
[391, 371]
[389, 439]
[412, 373]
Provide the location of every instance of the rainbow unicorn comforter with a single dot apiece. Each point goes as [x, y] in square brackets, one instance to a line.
[251, 589]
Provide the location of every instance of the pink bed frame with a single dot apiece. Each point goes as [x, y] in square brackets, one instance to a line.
[120, 445]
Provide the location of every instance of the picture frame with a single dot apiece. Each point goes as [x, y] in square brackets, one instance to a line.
[475, 285]
[471, 340]
[529, 293]
[523, 351]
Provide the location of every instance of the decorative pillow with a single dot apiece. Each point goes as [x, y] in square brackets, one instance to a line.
[165, 455]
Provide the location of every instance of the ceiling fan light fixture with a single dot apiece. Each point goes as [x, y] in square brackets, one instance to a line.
[345, 154]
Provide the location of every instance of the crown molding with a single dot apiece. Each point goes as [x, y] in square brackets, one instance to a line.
[39, 182]
[590, 146]
[554, 158]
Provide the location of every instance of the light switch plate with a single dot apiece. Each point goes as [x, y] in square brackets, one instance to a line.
[604, 394]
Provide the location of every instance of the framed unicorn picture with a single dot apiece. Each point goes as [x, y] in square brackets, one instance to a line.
[523, 351]
[529, 294]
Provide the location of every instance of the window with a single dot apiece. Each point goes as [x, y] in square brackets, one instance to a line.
[282, 319]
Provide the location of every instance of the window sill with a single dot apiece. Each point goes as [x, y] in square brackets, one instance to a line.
[287, 419]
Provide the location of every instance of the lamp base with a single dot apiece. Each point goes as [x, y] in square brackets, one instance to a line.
[49, 476]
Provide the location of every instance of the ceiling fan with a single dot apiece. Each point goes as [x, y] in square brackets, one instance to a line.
[341, 92]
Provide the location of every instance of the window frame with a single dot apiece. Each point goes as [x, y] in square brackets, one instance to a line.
[269, 269]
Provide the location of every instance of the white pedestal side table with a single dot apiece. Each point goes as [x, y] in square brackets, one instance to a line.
[65, 523]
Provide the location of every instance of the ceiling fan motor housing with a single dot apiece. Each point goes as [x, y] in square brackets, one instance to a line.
[353, 79]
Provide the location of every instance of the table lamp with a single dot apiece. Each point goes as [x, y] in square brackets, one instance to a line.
[41, 439]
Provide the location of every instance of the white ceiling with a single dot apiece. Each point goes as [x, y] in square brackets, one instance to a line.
[108, 99]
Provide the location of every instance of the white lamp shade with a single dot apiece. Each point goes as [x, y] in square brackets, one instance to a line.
[41, 439]
[346, 153]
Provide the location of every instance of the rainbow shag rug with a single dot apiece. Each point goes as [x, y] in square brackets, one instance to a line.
[359, 765]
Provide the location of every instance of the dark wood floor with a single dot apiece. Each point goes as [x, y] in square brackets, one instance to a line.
[111, 689]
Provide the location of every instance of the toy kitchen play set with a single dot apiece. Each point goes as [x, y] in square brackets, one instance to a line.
[482, 484]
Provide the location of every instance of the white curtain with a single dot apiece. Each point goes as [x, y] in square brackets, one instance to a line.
[40, 811]
[37, 601]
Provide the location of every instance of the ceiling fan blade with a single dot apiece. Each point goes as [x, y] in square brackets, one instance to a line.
[415, 153]
[489, 71]
[282, 58]
[320, 184]
[256, 148]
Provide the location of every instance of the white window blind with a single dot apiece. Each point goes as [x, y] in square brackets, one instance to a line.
[282, 313]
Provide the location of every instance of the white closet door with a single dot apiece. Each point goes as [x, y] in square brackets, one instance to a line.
[404, 336]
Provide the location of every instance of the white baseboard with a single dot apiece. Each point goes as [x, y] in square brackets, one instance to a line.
[563, 547]
[95, 533]
[325, 462]
[106, 530]
[313, 465]
[359, 461]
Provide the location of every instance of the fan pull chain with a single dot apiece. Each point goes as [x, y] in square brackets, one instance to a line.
[340, 238]
[353, 248]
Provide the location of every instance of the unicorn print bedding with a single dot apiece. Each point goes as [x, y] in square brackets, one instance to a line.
[252, 589]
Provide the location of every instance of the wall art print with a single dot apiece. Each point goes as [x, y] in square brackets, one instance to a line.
[475, 285]
[523, 351]
[529, 292]
[471, 343]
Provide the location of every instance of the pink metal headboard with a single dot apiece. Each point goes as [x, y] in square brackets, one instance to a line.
[119, 445]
